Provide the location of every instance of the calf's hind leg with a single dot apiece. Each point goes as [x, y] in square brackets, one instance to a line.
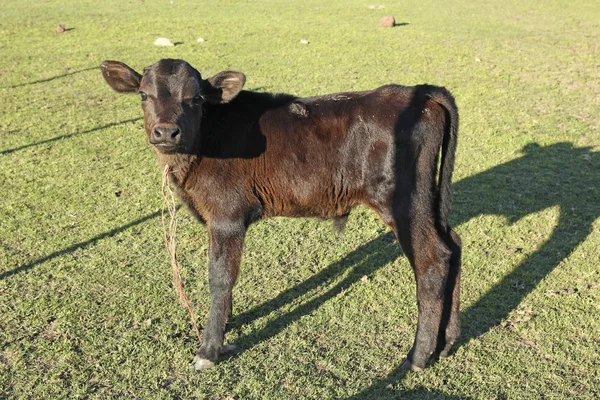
[429, 257]
[450, 326]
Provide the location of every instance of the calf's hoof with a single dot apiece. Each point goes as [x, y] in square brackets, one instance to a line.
[410, 366]
[446, 351]
[202, 363]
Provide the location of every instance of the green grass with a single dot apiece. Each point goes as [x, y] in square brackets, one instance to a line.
[87, 309]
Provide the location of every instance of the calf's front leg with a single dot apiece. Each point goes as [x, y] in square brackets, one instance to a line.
[225, 253]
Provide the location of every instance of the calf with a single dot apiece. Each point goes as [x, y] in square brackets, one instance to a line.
[238, 156]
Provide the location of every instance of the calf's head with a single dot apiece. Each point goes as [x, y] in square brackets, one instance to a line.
[173, 95]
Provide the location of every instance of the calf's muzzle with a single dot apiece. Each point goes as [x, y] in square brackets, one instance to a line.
[166, 137]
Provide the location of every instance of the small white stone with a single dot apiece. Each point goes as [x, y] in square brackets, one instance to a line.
[477, 59]
[200, 40]
[304, 41]
[161, 41]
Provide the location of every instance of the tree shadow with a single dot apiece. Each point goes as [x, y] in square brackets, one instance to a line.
[99, 128]
[80, 245]
[556, 175]
[52, 77]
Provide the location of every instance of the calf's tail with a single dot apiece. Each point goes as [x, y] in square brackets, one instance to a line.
[444, 200]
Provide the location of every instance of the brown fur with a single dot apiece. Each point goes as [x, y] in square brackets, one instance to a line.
[239, 156]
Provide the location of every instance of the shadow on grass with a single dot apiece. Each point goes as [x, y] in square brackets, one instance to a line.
[557, 175]
[363, 261]
[52, 77]
[66, 250]
[99, 128]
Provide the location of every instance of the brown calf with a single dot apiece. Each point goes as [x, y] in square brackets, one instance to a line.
[238, 156]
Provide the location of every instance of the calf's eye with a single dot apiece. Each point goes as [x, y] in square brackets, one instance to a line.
[197, 99]
[143, 96]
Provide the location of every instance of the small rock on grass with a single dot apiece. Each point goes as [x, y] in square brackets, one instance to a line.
[161, 41]
[200, 40]
[388, 21]
[61, 28]
[304, 41]
[584, 139]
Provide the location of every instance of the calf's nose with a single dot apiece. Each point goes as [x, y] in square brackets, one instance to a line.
[165, 134]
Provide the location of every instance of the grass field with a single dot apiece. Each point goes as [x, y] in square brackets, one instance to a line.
[87, 308]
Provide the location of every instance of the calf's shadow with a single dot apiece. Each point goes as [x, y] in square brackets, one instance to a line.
[559, 175]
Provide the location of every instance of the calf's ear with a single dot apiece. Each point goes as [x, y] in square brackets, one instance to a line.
[224, 86]
[120, 77]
